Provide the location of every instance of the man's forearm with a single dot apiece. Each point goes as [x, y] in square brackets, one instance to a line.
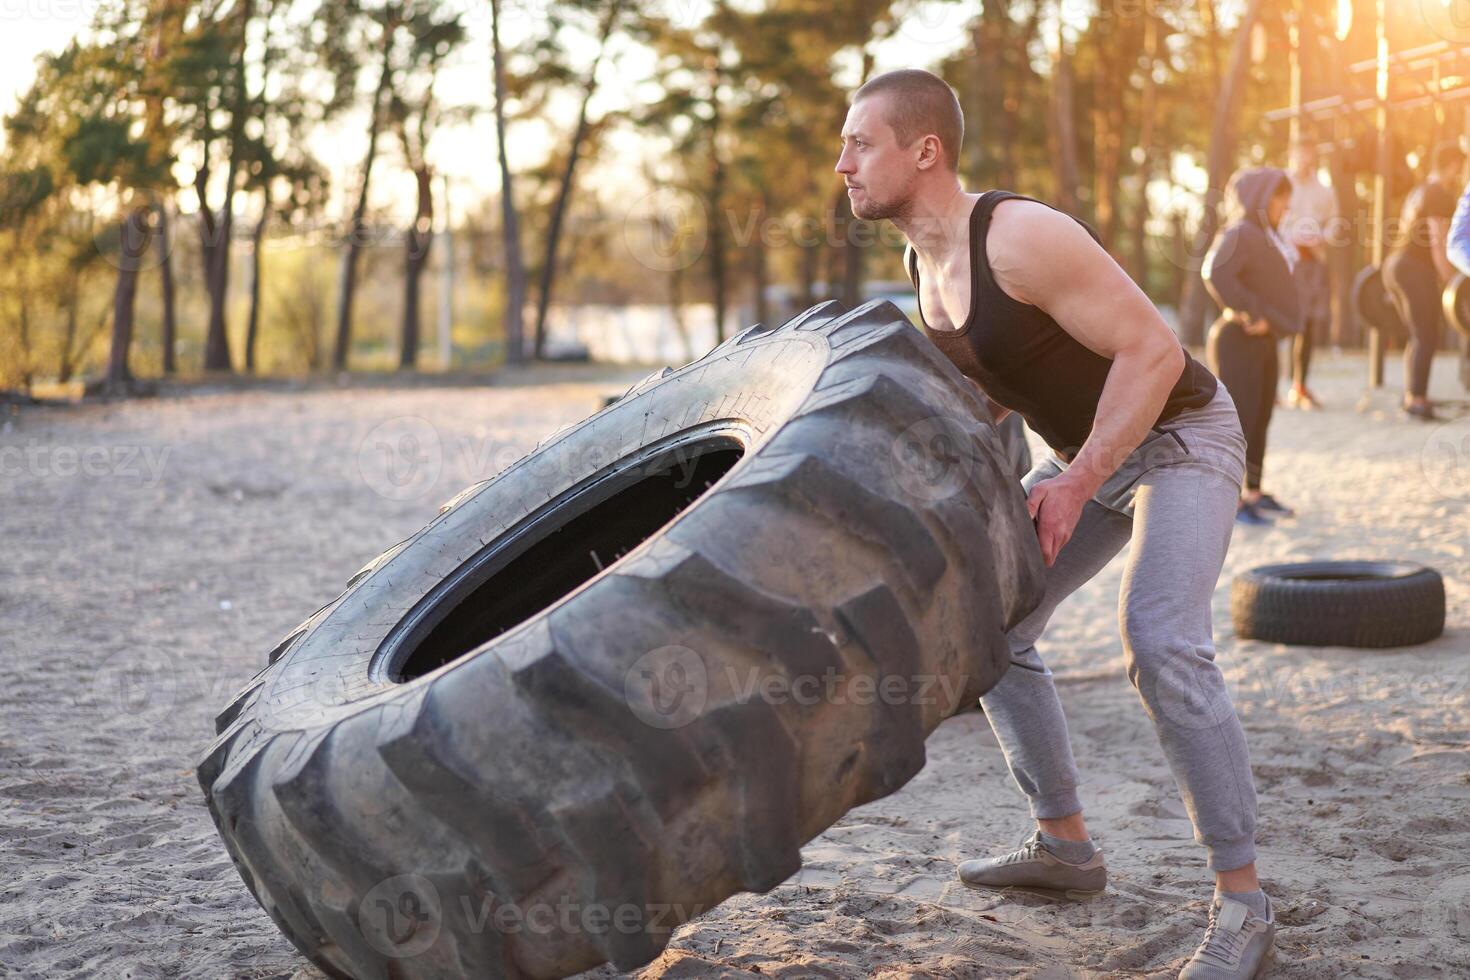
[1136, 389]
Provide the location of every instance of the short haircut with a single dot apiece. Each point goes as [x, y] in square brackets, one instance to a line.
[922, 103]
[1447, 154]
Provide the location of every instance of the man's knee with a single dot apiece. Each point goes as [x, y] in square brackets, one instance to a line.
[1151, 643]
[1177, 679]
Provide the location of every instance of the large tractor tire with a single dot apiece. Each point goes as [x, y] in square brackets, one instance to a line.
[636, 671]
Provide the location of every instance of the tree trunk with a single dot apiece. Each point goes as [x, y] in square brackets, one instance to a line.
[257, 236]
[1211, 20]
[810, 256]
[1118, 51]
[1342, 249]
[208, 237]
[515, 272]
[759, 272]
[852, 254]
[1178, 258]
[1147, 110]
[166, 17]
[1063, 126]
[717, 274]
[419, 241]
[27, 365]
[982, 92]
[216, 340]
[1342, 257]
[1005, 176]
[564, 192]
[133, 242]
[1218, 165]
[166, 279]
[73, 300]
[676, 311]
[347, 285]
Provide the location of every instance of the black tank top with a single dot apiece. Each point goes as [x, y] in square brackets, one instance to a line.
[1024, 360]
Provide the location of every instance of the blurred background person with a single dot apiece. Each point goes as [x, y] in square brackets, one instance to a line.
[1248, 271]
[1309, 215]
[1457, 245]
[1457, 250]
[1417, 269]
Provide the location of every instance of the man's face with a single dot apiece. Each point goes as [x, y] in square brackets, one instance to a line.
[1305, 156]
[878, 172]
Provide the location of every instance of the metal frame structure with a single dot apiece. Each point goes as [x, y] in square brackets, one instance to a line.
[1441, 86]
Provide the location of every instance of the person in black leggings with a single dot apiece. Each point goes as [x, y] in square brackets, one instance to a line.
[1248, 273]
[1417, 269]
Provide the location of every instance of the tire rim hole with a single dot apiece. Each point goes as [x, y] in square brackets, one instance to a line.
[555, 552]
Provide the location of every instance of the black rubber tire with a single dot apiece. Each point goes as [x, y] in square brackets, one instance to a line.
[1456, 303]
[1339, 604]
[1373, 306]
[872, 527]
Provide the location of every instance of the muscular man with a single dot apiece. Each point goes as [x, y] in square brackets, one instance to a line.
[1146, 447]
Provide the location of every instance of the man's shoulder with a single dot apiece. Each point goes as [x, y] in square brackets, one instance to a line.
[1023, 226]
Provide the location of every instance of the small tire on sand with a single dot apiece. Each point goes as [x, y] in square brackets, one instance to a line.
[1339, 604]
[632, 674]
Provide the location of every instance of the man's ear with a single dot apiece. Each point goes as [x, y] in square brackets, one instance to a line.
[930, 152]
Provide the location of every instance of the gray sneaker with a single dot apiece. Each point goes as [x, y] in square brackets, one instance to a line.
[1034, 868]
[1238, 944]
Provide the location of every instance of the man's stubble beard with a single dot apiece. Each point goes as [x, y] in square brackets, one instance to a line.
[870, 210]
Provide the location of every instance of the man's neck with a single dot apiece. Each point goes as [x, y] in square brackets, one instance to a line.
[938, 221]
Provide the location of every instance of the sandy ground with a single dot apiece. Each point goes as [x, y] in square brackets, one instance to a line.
[154, 550]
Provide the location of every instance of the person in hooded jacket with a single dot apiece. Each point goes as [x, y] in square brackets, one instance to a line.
[1248, 270]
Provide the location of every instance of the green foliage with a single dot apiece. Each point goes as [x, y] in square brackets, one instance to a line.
[743, 108]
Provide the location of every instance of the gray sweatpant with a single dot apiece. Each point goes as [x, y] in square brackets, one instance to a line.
[1174, 498]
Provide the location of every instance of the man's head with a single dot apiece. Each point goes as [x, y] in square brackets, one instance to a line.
[1304, 157]
[904, 127]
[1448, 160]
